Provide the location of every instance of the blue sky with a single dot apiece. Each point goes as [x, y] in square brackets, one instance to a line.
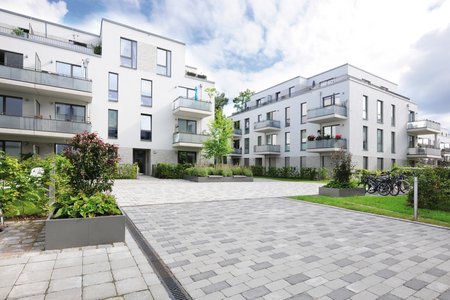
[257, 43]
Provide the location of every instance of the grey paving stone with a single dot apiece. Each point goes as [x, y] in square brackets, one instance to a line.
[333, 246]
[30, 289]
[264, 248]
[311, 258]
[368, 254]
[436, 272]
[203, 275]
[72, 294]
[65, 284]
[389, 297]
[417, 258]
[203, 253]
[215, 287]
[416, 284]
[97, 278]
[297, 278]
[99, 291]
[352, 277]
[303, 296]
[279, 255]
[130, 285]
[445, 295]
[385, 273]
[256, 293]
[179, 263]
[341, 294]
[131, 272]
[262, 265]
[235, 250]
[229, 262]
[390, 261]
[343, 262]
[139, 296]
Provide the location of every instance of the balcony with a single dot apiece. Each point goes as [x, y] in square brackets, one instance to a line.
[237, 132]
[44, 83]
[267, 149]
[188, 140]
[423, 127]
[418, 153]
[41, 127]
[332, 113]
[236, 152]
[326, 145]
[267, 126]
[190, 108]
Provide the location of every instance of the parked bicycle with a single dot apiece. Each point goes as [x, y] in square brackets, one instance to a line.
[385, 184]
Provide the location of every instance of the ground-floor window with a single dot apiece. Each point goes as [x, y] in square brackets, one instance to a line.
[258, 161]
[186, 157]
[287, 162]
[246, 162]
[11, 148]
[59, 148]
[235, 161]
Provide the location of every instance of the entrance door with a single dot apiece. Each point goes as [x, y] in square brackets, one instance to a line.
[140, 157]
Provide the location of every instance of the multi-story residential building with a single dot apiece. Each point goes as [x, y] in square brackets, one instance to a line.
[301, 122]
[131, 86]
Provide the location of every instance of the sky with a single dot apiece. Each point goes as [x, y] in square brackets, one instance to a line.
[255, 44]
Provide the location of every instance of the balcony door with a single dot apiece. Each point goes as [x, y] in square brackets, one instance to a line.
[11, 106]
[142, 158]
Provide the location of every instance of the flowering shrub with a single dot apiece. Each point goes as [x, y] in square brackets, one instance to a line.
[338, 136]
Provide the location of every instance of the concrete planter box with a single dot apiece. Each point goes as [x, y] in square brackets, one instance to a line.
[333, 192]
[80, 232]
[218, 178]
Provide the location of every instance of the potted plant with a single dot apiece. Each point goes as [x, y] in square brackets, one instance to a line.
[327, 137]
[18, 31]
[97, 49]
[338, 136]
[192, 74]
[311, 137]
[342, 184]
[318, 138]
[86, 213]
[201, 76]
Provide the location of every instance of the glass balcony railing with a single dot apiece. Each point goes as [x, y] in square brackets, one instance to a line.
[44, 78]
[237, 151]
[424, 151]
[191, 138]
[424, 124]
[237, 131]
[327, 144]
[37, 124]
[267, 149]
[327, 110]
[182, 102]
[267, 124]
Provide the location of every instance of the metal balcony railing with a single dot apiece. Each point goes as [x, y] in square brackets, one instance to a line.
[327, 110]
[44, 78]
[424, 151]
[424, 124]
[191, 138]
[237, 151]
[37, 124]
[267, 149]
[327, 143]
[267, 123]
[192, 104]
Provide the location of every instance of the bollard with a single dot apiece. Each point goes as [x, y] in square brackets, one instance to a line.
[416, 197]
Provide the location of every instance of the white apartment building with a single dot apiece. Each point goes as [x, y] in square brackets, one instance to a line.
[131, 86]
[301, 122]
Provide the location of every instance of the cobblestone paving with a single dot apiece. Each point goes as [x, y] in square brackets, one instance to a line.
[276, 248]
[149, 190]
[21, 236]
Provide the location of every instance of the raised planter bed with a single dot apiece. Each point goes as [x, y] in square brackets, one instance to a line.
[333, 192]
[80, 232]
[214, 178]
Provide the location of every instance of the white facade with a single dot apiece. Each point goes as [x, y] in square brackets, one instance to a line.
[53, 85]
[341, 105]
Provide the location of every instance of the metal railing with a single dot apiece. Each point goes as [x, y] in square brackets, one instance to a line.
[267, 123]
[327, 143]
[424, 124]
[191, 138]
[46, 40]
[424, 151]
[267, 148]
[192, 104]
[44, 78]
[37, 124]
[237, 151]
[237, 131]
[327, 110]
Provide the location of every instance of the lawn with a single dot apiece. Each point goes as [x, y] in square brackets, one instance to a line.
[393, 206]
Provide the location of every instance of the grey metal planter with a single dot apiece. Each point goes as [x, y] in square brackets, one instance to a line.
[333, 192]
[79, 232]
[218, 178]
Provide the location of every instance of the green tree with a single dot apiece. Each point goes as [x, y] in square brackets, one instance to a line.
[218, 144]
[244, 97]
[220, 100]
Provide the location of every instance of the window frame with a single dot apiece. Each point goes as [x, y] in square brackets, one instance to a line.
[365, 108]
[116, 136]
[303, 112]
[380, 112]
[146, 132]
[303, 144]
[116, 91]
[380, 142]
[393, 142]
[71, 69]
[287, 116]
[365, 138]
[143, 96]
[167, 66]
[287, 141]
[133, 50]
[71, 110]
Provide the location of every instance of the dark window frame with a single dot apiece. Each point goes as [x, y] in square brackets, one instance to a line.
[146, 135]
[110, 90]
[113, 133]
[133, 50]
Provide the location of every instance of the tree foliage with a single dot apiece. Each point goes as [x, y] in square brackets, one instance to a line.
[218, 144]
[242, 99]
[220, 100]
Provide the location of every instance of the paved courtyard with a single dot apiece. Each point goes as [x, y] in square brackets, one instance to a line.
[275, 248]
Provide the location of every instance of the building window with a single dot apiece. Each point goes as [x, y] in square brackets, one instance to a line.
[287, 162]
[411, 141]
[271, 139]
[302, 161]
[380, 163]
[187, 126]
[287, 116]
[59, 148]
[146, 127]
[365, 138]
[113, 124]
[329, 131]
[277, 96]
[303, 140]
[303, 113]
[128, 53]
[380, 140]
[392, 162]
[365, 162]
[113, 86]
[379, 111]
[291, 91]
[146, 92]
[365, 107]
[187, 157]
[287, 141]
[331, 100]
[392, 142]
[411, 116]
[259, 140]
[269, 115]
[259, 118]
[11, 59]
[70, 112]
[11, 148]
[68, 69]
[258, 102]
[11, 106]
[392, 115]
[247, 126]
[246, 162]
[246, 146]
[164, 62]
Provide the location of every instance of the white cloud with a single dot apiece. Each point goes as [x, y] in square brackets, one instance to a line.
[42, 9]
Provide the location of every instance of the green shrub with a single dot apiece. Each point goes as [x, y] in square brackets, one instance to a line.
[227, 172]
[342, 171]
[126, 171]
[308, 173]
[237, 170]
[257, 170]
[198, 171]
[322, 174]
[247, 172]
[171, 171]
[83, 206]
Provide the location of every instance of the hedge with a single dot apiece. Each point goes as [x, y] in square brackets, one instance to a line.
[291, 172]
[171, 171]
[126, 171]
[226, 171]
